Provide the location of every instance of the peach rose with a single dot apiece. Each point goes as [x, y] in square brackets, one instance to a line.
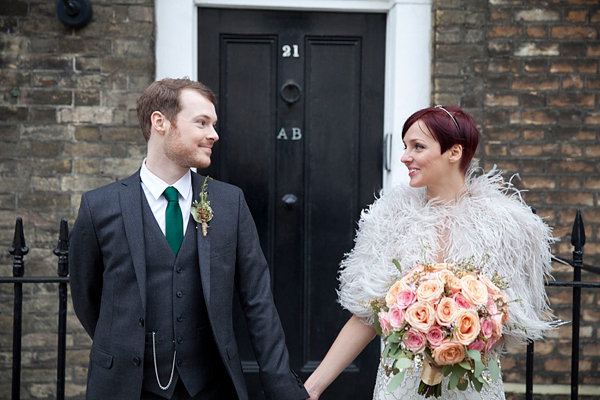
[405, 298]
[420, 316]
[467, 326]
[392, 294]
[491, 287]
[446, 311]
[497, 326]
[430, 291]
[474, 291]
[396, 316]
[413, 275]
[435, 336]
[414, 340]
[448, 353]
[448, 278]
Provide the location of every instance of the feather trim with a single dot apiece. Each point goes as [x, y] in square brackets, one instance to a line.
[489, 217]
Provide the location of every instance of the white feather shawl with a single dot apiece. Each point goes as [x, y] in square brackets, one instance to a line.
[490, 217]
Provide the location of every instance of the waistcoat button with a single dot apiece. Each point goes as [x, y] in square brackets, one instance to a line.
[179, 294]
[180, 318]
[136, 361]
[180, 340]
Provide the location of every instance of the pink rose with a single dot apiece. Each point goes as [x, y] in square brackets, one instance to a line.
[446, 311]
[420, 316]
[460, 300]
[396, 316]
[474, 291]
[414, 340]
[430, 291]
[449, 353]
[382, 316]
[478, 345]
[435, 336]
[467, 326]
[486, 327]
[405, 298]
[489, 344]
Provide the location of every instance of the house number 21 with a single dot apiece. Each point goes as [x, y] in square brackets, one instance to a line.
[290, 51]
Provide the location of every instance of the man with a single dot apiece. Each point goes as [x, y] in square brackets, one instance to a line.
[153, 287]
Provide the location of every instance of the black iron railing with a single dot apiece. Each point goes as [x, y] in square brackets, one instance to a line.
[18, 250]
[578, 241]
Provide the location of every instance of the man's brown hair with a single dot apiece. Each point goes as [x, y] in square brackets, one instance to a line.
[164, 96]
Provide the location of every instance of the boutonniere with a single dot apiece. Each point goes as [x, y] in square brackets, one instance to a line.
[201, 211]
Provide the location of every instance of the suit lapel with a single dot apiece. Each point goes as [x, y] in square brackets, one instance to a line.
[130, 197]
[203, 242]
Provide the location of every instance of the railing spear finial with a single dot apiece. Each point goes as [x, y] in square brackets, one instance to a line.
[18, 249]
[62, 248]
[578, 233]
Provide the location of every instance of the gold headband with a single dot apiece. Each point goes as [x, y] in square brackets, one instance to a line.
[451, 116]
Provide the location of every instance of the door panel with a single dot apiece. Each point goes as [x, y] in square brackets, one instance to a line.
[301, 125]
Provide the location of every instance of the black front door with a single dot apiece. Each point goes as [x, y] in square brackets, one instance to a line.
[301, 126]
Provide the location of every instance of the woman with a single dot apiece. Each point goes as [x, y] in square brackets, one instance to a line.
[447, 214]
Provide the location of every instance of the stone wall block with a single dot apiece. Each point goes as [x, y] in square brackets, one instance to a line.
[533, 49]
[83, 115]
[537, 15]
[130, 134]
[86, 149]
[572, 99]
[47, 97]
[574, 32]
[45, 132]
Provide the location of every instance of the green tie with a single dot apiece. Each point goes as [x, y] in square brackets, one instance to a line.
[173, 219]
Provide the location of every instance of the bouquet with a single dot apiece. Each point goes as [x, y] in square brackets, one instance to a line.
[448, 315]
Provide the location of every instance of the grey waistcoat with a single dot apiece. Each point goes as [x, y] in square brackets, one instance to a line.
[176, 312]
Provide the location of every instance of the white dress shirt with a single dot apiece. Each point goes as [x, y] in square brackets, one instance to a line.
[154, 187]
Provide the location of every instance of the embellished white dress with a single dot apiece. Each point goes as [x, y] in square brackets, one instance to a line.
[489, 217]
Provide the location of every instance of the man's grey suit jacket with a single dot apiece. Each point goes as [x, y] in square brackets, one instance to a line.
[108, 286]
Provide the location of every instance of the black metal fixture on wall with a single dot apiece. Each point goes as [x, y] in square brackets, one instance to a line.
[75, 13]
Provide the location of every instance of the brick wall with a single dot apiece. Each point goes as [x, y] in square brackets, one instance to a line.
[67, 125]
[528, 72]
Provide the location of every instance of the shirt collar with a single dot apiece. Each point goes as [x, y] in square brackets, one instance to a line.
[157, 186]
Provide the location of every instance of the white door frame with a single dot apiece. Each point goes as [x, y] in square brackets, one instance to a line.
[407, 60]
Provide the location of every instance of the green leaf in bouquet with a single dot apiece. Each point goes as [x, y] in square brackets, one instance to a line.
[402, 363]
[494, 369]
[462, 384]
[377, 325]
[453, 379]
[465, 364]
[446, 370]
[476, 384]
[476, 356]
[386, 351]
[396, 381]
[397, 264]
[394, 337]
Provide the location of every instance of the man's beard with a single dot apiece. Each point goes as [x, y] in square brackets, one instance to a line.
[183, 155]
